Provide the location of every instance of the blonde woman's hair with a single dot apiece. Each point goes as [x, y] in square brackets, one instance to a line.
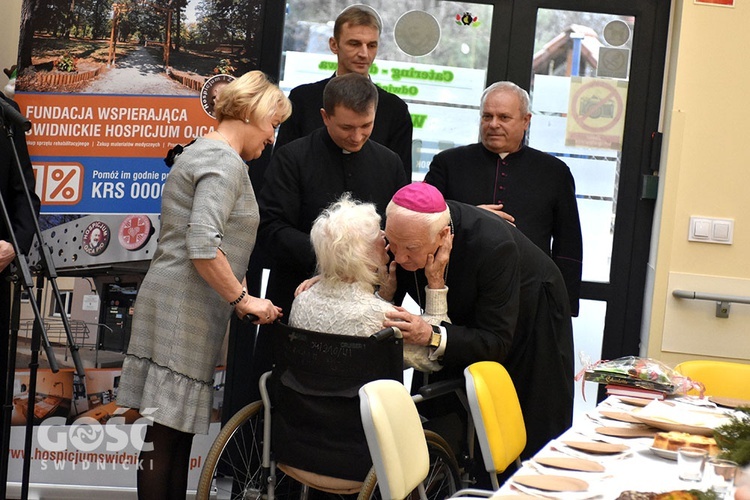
[252, 97]
[344, 237]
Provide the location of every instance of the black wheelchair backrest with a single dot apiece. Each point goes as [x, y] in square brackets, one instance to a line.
[314, 393]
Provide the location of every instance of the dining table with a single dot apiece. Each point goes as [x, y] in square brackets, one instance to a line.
[608, 452]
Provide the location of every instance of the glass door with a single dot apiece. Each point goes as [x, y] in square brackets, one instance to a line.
[579, 85]
[594, 72]
[432, 54]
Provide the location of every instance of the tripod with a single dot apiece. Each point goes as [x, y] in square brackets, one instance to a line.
[23, 280]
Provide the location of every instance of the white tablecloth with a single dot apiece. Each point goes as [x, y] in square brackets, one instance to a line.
[637, 469]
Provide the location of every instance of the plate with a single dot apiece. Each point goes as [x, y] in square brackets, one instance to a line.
[578, 464]
[669, 455]
[626, 432]
[552, 483]
[595, 447]
[620, 416]
[673, 426]
[729, 402]
[634, 401]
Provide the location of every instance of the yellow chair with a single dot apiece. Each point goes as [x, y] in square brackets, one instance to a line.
[720, 378]
[497, 416]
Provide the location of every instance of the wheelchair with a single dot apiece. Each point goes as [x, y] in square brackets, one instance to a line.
[264, 452]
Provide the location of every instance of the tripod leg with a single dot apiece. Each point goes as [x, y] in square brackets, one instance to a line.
[8, 333]
[36, 344]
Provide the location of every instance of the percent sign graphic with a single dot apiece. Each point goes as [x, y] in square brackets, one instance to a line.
[63, 184]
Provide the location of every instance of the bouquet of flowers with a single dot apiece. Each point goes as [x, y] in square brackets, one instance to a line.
[643, 373]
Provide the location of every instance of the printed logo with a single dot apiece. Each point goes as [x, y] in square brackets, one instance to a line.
[467, 19]
[135, 232]
[96, 238]
[59, 183]
[210, 92]
[88, 434]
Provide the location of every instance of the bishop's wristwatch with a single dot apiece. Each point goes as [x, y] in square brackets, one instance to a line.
[436, 337]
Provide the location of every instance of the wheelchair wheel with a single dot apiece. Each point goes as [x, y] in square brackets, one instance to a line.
[233, 464]
[443, 478]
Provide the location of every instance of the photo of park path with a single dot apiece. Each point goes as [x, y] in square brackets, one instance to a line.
[132, 47]
[140, 72]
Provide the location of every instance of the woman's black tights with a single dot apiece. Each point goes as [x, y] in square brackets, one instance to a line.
[163, 471]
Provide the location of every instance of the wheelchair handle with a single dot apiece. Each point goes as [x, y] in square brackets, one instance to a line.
[387, 333]
[249, 318]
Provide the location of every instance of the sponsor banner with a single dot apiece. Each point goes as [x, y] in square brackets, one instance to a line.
[104, 153]
[97, 466]
[82, 437]
[99, 185]
[80, 125]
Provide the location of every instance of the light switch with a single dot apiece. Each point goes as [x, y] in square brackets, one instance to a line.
[711, 230]
[722, 231]
[700, 229]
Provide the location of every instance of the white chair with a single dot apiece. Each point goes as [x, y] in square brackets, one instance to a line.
[395, 438]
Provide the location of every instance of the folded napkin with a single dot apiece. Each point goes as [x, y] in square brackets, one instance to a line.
[682, 414]
[560, 447]
[560, 495]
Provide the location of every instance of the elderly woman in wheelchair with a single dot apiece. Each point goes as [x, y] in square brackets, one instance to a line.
[308, 425]
[353, 264]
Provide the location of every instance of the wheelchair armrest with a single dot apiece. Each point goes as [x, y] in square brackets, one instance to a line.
[387, 333]
[436, 389]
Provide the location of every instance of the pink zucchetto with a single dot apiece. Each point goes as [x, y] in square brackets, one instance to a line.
[420, 197]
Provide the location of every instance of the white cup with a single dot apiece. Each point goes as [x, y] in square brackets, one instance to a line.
[690, 463]
[720, 475]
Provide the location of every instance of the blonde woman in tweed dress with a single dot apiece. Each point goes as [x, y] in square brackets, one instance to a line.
[209, 221]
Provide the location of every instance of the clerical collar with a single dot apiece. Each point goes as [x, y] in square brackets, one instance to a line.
[505, 155]
[332, 145]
